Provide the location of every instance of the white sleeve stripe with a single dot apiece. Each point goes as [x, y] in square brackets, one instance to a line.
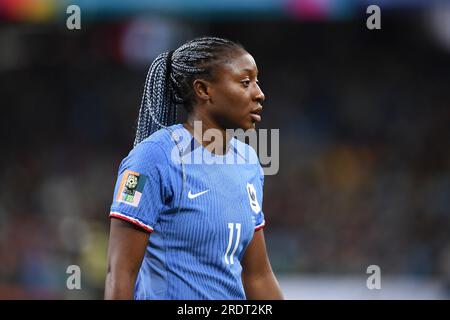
[262, 224]
[131, 219]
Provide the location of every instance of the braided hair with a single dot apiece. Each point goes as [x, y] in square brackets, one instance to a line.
[170, 77]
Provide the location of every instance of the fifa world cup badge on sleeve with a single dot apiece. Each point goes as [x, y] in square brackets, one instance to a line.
[131, 187]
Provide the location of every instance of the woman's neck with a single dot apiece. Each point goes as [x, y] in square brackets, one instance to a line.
[211, 135]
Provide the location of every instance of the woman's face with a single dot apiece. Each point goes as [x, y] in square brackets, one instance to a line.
[235, 96]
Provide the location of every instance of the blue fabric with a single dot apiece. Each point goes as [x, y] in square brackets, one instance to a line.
[194, 252]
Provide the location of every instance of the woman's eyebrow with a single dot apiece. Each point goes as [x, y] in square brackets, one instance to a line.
[250, 70]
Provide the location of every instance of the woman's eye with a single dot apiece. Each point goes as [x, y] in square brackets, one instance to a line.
[245, 82]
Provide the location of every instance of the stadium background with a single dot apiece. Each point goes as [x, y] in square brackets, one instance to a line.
[363, 115]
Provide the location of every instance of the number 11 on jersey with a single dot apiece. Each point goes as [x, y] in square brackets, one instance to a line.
[229, 256]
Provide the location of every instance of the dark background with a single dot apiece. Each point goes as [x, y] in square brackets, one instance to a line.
[363, 116]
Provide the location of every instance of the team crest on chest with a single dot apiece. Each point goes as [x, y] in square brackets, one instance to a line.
[251, 192]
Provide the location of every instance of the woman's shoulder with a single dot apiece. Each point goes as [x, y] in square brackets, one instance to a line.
[162, 137]
[156, 148]
[245, 151]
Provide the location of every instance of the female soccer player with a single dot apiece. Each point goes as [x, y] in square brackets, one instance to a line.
[187, 229]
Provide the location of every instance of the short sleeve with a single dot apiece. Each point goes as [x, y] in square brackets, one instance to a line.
[260, 222]
[141, 188]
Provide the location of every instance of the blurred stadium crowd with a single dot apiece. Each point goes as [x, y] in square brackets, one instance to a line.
[364, 148]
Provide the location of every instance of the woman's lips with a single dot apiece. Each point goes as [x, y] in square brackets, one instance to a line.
[255, 117]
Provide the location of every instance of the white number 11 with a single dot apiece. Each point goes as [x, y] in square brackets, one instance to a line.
[230, 242]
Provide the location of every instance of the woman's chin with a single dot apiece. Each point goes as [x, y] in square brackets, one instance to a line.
[248, 125]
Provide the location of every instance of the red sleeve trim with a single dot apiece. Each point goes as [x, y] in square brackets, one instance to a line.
[261, 226]
[131, 220]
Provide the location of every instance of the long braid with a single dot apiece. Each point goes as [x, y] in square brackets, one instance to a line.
[169, 81]
[156, 103]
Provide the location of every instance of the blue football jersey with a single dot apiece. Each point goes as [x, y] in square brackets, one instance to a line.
[202, 210]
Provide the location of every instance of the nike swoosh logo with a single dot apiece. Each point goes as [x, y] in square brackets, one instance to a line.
[195, 195]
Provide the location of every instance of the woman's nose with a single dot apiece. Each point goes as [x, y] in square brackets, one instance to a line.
[259, 95]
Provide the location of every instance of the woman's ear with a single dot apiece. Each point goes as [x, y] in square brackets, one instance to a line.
[201, 89]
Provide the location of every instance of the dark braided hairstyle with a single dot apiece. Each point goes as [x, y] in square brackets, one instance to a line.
[170, 78]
